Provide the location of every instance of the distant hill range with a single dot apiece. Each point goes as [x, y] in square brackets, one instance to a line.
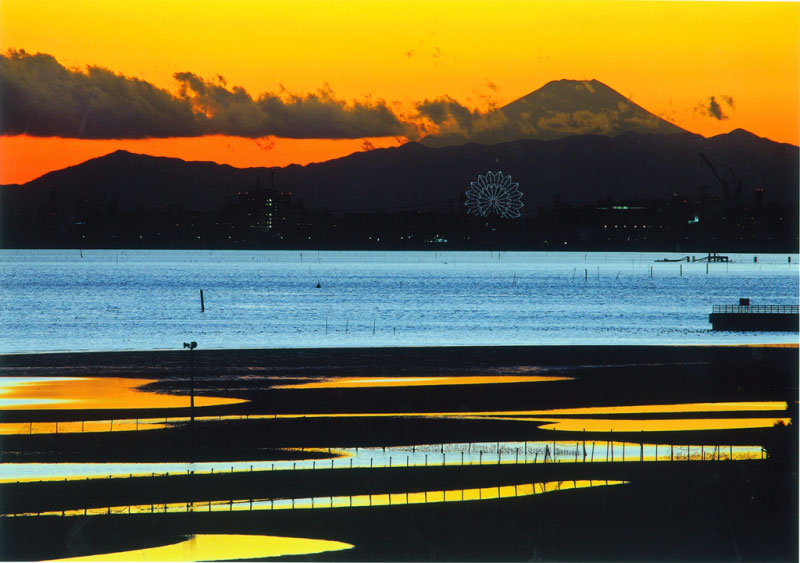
[558, 109]
[577, 169]
[592, 145]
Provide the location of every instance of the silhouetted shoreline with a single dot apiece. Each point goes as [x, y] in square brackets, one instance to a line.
[689, 510]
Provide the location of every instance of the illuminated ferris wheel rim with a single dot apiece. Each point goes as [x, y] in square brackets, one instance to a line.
[496, 193]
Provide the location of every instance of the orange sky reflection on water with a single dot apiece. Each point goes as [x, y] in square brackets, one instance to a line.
[59, 393]
[366, 382]
[616, 425]
[649, 425]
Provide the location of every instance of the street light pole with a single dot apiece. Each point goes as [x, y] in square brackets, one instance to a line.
[191, 346]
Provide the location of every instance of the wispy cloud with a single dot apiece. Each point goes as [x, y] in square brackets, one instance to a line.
[712, 108]
[447, 113]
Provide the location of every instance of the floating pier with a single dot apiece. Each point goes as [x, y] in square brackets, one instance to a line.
[714, 257]
[744, 317]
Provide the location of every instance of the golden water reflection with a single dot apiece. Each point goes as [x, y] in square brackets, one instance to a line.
[370, 382]
[551, 418]
[58, 393]
[656, 409]
[646, 425]
[345, 501]
[221, 547]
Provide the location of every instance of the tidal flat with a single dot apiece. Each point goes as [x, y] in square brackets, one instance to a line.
[449, 453]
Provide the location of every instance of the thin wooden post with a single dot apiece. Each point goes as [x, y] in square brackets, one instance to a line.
[202, 303]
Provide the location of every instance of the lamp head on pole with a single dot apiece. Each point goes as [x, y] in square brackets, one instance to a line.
[190, 346]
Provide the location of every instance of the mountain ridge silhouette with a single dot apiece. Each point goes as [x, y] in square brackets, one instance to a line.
[577, 169]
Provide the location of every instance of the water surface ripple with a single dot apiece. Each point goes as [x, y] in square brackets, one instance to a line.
[56, 300]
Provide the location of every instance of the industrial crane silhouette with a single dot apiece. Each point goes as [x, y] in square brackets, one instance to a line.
[728, 182]
[725, 176]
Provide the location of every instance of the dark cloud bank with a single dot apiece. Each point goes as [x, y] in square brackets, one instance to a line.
[40, 97]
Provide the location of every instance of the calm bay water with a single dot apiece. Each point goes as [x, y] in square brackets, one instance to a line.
[55, 300]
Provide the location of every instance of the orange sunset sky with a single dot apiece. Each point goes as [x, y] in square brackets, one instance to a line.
[367, 65]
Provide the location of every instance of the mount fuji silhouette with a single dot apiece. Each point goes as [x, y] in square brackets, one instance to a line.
[558, 109]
